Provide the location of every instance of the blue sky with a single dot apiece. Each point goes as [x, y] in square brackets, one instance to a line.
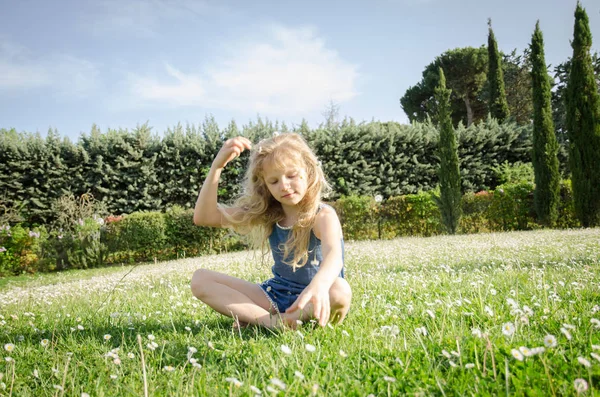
[119, 63]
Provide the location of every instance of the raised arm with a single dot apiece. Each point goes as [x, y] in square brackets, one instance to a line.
[206, 212]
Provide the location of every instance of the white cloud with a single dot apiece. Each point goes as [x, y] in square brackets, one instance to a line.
[21, 70]
[291, 71]
[141, 18]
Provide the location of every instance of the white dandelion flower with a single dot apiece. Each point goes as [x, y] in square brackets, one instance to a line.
[452, 363]
[525, 351]
[517, 354]
[107, 337]
[580, 385]
[197, 365]
[508, 329]
[277, 382]
[188, 329]
[343, 354]
[550, 340]
[584, 361]
[130, 355]
[9, 347]
[446, 354]
[286, 349]
[80, 327]
[595, 322]
[310, 348]
[151, 337]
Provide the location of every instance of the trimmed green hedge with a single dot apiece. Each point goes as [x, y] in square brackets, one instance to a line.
[149, 236]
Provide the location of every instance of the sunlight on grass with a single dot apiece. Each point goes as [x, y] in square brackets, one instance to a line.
[455, 315]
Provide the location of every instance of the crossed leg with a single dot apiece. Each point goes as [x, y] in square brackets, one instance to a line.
[247, 303]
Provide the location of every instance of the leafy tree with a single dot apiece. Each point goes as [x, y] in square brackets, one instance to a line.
[583, 124]
[449, 201]
[545, 147]
[466, 74]
[517, 79]
[497, 105]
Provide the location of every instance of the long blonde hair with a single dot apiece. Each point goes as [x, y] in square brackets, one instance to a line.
[258, 209]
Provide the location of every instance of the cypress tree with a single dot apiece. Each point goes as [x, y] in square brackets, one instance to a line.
[546, 195]
[449, 201]
[583, 125]
[498, 104]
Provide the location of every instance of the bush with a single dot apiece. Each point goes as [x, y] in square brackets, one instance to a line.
[475, 207]
[411, 215]
[566, 207]
[142, 234]
[358, 217]
[512, 207]
[20, 249]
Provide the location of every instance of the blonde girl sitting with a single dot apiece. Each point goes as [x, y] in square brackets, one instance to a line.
[281, 205]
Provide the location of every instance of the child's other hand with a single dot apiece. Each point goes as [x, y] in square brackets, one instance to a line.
[231, 149]
[319, 299]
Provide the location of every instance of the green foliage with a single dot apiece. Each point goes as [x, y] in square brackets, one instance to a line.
[514, 173]
[512, 207]
[465, 70]
[357, 216]
[475, 207]
[583, 125]
[448, 172]
[410, 215]
[142, 233]
[498, 105]
[545, 145]
[20, 249]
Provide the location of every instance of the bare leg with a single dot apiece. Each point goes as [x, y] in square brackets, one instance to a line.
[233, 297]
[340, 296]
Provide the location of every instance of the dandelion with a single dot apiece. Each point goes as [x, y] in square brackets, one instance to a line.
[9, 347]
[584, 361]
[80, 327]
[343, 354]
[595, 322]
[197, 365]
[580, 385]
[168, 368]
[130, 355]
[107, 337]
[517, 354]
[310, 348]
[255, 390]
[469, 365]
[566, 333]
[188, 329]
[286, 349]
[446, 354]
[298, 374]
[508, 329]
[277, 382]
[526, 351]
[421, 331]
[550, 340]
[389, 379]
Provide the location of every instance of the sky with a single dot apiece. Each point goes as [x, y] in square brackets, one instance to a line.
[69, 64]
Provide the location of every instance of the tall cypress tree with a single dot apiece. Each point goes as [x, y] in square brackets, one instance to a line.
[545, 146]
[498, 104]
[583, 125]
[449, 201]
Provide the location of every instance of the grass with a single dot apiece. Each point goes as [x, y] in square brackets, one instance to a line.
[430, 316]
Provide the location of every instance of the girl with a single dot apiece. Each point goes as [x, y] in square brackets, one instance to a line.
[281, 204]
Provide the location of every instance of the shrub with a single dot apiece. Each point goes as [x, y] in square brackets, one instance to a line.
[358, 217]
[20, 248]
[475, 207]
[142, 234]
[512, 207]
[411, 215]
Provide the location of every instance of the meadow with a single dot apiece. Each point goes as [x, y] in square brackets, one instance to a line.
[488, 314]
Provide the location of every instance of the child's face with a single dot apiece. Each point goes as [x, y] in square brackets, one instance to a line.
[287, 184]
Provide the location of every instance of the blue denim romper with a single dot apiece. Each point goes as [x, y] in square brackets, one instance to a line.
[283, 289]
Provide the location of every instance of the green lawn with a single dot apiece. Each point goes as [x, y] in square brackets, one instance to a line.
[510, 313]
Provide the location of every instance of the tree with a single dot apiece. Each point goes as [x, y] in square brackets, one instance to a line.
[517, 83]
[497, 105]
[466, 74]
[546, 195]
[583, 125]
[449, 201]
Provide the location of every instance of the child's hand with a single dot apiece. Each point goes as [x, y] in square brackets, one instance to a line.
[231, 149]
[319, 298]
